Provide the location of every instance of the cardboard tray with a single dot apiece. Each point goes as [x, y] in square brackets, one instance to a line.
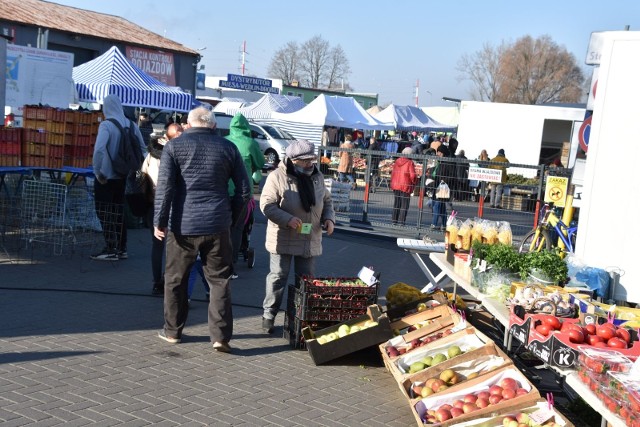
[541, 406]
[420, 406]
[321, 353]
[437, 346]
[471, 356]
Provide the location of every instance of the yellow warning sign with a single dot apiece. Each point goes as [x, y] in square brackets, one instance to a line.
[556, 190]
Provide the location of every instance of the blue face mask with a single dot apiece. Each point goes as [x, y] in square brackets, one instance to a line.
[306, 171]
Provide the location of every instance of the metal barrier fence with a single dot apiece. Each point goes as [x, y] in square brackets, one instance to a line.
[371, 200]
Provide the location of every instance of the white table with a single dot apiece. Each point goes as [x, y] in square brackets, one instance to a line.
[419, 247]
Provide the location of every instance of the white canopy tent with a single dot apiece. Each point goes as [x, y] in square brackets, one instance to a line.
[410, 119]
[268, 104]
[338, 111]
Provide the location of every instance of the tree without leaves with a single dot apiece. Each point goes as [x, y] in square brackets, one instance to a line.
[284, 63]
[530, 71]
[316, 64]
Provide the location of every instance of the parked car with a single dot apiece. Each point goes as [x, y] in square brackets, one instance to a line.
[272, 140]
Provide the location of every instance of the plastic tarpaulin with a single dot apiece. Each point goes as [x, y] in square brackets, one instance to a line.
[112, 74]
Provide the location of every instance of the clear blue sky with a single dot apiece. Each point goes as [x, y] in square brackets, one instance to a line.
[390, 44]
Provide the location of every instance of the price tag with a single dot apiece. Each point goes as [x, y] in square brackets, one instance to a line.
[368, 276]
[305, 228]
[542, 415]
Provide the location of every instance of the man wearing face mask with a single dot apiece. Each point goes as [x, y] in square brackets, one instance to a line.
[297, 206]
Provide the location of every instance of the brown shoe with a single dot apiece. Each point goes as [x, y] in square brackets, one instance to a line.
[222, 347]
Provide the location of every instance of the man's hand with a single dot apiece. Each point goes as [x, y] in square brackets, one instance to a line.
[294, 222]
[160, 232]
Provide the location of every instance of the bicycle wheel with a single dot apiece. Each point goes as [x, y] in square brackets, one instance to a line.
[535, 241]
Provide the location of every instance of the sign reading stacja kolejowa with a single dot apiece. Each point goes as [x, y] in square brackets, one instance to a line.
[254, 84]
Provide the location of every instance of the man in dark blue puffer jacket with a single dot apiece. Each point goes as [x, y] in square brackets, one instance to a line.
[194, 212]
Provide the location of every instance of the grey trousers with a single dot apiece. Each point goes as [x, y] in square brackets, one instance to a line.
[277, 279]
[215, 252]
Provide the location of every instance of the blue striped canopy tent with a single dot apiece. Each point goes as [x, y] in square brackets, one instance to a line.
[271, 103]
[112, 74]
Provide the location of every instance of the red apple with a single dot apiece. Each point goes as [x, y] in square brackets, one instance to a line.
[482, 402]
[495, 398]
[436, 384]
[508, 393]
[506, 420]
[446, 406]
[469, 407]
[509, 383]
[521, 391]
[443, 414]
[470, 398]
[458, 403]
[456, 412]
[483, 395]
[495, 389]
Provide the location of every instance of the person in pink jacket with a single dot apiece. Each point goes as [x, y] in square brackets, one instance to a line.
[403, 181]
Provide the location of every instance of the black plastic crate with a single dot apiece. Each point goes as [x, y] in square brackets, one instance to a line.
[293, 326]
[311, 301]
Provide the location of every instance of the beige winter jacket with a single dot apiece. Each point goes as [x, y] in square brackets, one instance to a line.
[280, 202]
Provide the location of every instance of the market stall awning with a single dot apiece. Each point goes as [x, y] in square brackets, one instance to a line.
[112, 74]
[405, 117]
[271, 103]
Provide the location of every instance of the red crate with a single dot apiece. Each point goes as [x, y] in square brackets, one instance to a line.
[10, 134]
[38, 113]
[83, 140]
[79, 162]
[73, 151]
[55, 151]
[10, 148]
[34, 149]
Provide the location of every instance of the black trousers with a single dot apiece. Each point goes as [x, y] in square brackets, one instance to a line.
[400, 206]
[215, 253]
[109, 202]
[157, 252]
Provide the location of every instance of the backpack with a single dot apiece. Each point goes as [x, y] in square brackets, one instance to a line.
[129, 154]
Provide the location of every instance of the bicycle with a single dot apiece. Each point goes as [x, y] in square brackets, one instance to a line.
[540, 238]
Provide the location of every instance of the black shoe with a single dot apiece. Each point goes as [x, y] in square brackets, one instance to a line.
[105, 255]
[123, 254]
[157, 290]
[267, 325]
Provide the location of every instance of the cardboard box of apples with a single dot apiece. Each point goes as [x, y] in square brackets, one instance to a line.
[347, 337]
[454, 373]
[539, 414]
[436, 352]
[555, 341]
[495, 392]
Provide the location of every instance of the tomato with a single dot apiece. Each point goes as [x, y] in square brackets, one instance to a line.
[571, 326]
[576, 336]
[543, 329]
[601, 344]
[623, 334]
[616, 342]
[591, 329]
[552, 321]
[593, 339]
[605, 332]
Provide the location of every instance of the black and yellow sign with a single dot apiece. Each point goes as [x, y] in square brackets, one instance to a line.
[556, 190]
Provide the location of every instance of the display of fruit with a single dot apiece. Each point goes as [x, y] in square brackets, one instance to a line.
[393, 351]
[338, 282]
[522, 419]
[606, 335]
[344, 330]
[506, 389]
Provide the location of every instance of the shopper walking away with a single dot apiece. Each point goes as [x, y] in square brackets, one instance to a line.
[497, 188]
[297, 206]
[403, 182]
[193, 211]
[118, 141]
[443, 174]
[345, 167]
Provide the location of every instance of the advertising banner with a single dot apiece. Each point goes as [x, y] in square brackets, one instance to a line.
[157, 64]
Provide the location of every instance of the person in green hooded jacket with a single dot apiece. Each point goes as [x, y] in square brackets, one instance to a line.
[240, 135]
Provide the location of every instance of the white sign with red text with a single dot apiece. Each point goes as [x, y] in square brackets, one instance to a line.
[484, 174]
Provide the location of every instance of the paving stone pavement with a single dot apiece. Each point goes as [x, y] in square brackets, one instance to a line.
[80, 347]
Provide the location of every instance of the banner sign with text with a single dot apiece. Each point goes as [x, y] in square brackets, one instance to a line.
[157, 64]
[254, 84]
[485, 174]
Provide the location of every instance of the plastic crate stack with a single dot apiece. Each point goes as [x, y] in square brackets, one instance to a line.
[10, 146]
[320, 303]
[340, 194]
[53, 138]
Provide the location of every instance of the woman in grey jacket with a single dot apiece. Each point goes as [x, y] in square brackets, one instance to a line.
[298, 206]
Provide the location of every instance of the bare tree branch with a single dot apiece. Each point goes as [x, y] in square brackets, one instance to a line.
[284, 63]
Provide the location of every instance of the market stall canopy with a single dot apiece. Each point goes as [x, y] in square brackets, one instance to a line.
[411, 118]
[338, 111]
[112, 74]
[271, 103]
[450, 115]
[374, 110]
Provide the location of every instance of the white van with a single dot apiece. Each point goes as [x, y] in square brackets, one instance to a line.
[272, 140]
